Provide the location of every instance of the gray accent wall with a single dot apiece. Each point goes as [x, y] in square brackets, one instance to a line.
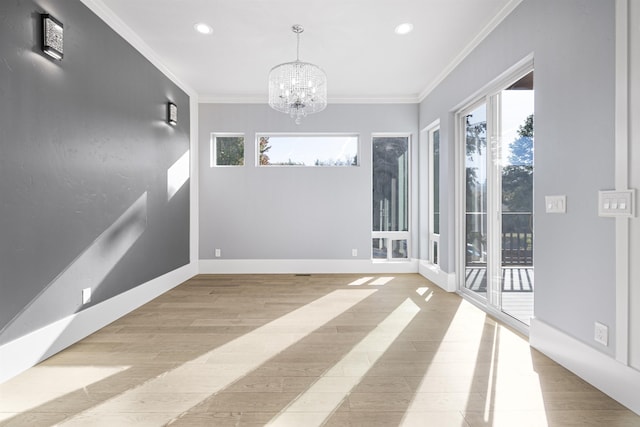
[315, 213]
[573, 46]
[84, 157]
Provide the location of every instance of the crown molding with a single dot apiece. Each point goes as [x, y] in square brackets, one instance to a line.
[492, 25]
[110, 18]
[337, 100]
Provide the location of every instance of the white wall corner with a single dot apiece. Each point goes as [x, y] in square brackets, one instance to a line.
[622, 178]
[617, 380]
[446, 281]
[22, 353]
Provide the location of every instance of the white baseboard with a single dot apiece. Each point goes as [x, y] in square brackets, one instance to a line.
[22, 353]
[619, 381]
[446, 281]
[304, 266]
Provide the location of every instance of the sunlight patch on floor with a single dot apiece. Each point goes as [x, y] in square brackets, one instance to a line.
[381, 281]
[206, 375]
[463, 333]
[20, 395]
[360, 282]
[326, 394]
[422, 290]
[516, 385]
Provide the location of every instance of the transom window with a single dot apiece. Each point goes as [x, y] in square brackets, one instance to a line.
[307, 150]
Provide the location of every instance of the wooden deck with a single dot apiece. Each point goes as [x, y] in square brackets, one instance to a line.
[517, 289]
[514, 279]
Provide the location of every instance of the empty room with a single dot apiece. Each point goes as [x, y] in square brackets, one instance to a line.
[319, 213]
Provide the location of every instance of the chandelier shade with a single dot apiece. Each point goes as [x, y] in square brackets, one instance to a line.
[297, 88]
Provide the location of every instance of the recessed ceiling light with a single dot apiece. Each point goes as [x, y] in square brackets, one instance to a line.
[405, 28]
[203, 28]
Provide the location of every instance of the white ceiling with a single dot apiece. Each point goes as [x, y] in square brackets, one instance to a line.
[352, 40]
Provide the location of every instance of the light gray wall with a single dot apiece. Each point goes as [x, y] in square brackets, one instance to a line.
[573, 46]
[84, 154]
[292, 212]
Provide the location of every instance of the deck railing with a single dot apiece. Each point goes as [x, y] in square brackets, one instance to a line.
[517, 238]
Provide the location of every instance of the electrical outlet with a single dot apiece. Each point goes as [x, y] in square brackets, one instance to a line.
[218, 253]
[601, 334]
[86, 295]
[354, 252]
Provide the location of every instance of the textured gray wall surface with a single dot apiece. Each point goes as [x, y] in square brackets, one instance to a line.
[573, 46]
[285, 212]
[84, 158]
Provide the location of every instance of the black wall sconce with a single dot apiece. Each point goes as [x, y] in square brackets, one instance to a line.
[172, 114]
[52, 37]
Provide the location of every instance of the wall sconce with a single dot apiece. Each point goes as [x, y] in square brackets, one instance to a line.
[52, 37]
[172, 114]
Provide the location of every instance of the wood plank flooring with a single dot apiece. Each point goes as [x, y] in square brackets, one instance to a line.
[319, 350]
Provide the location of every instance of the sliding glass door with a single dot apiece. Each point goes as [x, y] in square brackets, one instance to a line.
[496, 206]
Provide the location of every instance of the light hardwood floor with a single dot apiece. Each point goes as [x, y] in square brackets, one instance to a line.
[303, 351]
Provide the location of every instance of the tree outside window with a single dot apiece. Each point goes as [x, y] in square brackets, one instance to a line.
[229, 150]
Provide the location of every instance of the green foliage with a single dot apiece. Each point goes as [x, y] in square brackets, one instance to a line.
[526, 129]
[476, 142]
[522, 148]
[476, 138]
[517, 178]
[264, 147]
[230, 151]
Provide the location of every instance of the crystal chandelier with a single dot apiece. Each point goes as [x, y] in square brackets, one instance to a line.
[297, 88]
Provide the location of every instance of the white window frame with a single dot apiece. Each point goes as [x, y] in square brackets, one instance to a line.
[433, 238]
[390, 236]
[212, 148]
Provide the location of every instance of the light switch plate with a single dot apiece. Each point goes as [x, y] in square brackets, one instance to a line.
[555, 204]
[616, 203]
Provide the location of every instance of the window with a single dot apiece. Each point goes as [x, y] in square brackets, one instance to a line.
[227, 149]
[390, 232]
[307, 150]
[434, 193]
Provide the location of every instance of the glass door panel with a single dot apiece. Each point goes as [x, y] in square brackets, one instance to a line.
[516, 140]
[475, 129]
